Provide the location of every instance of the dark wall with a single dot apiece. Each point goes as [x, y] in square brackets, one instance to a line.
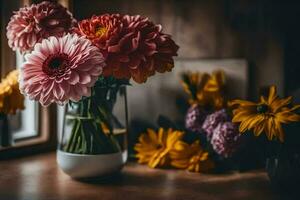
[264, 32]
[259, 31]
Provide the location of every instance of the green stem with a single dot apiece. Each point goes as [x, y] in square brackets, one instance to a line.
[87, 132]
[84, 141]
[73, 135]
[78, 146]
[87, 135]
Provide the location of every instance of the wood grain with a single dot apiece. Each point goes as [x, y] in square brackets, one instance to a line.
[38, 177]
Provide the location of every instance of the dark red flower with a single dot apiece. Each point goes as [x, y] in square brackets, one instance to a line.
[134, 47]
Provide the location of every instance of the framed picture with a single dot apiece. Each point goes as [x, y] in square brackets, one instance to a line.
[161, 94]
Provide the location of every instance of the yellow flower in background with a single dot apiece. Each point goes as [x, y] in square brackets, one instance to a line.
[205, 89]
[104, 128]
[153, 148]
[265, 116]
[215, 83]
[190, 82]
[10, 97]
[191, 157]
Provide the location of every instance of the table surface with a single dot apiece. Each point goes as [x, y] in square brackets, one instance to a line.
[38, 177]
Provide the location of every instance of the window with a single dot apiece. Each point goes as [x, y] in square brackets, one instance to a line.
[35, 128]
[25, 123]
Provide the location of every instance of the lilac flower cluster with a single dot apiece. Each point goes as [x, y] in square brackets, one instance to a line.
[213, 120]
[222, 133]
[226, 139]
[194, 118]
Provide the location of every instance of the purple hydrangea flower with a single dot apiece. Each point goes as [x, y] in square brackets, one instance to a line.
[212, 121]
[226, 139]
[194, 118]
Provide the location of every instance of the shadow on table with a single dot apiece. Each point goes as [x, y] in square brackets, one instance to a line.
[183, 185]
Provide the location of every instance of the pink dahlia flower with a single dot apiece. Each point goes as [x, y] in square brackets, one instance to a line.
[134, 47]
[31, 24]
[59, 69]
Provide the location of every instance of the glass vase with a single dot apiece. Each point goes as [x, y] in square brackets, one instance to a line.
[93, 141]
[283, 169]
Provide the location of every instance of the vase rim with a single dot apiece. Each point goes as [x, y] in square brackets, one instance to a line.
[89, 155]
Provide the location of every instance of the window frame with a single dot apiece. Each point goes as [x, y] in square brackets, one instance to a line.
[46, 138]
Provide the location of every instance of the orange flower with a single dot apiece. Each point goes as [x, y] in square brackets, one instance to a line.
[101, 30]
[153, 148]
[10, 97]
[265, 116]
[191, 157]
[205, 89]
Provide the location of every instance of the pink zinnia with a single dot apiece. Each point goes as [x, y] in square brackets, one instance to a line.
[134, 47]
[31, 24]
[59, 69]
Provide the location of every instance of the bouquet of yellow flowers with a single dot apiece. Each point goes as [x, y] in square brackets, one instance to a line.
[206, 90]
[11, 100]
[166, 148]
[183, 147]
[272, 116]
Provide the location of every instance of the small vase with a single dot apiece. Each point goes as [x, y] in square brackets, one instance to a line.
[93, 142]
[284, 171]
[5, 136]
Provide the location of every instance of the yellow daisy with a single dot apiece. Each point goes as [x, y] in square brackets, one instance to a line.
[205, 89]
[10, 97]
[153, 148]
[265, 116]
[191, 157]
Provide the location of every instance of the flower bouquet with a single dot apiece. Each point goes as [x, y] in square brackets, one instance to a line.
[222, 123]
[208, 116]
[211, 138]
[272, 116]
[86, 66]
[205, 135]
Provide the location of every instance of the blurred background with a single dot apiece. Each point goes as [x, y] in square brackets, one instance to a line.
[263, 32]
[257, 41]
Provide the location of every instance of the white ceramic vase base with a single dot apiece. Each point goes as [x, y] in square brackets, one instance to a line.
[79, 166]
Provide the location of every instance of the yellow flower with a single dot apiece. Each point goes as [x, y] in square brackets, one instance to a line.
[153, 148]
[104, 128]
[216, 82]
[265, 116]
[205, 89]
[190, 82]
[10, 97]
[191, 157]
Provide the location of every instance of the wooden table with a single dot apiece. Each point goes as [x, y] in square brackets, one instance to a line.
[39, 178]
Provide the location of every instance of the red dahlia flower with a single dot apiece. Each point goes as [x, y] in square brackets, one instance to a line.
[102, 30]
[134, 47]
